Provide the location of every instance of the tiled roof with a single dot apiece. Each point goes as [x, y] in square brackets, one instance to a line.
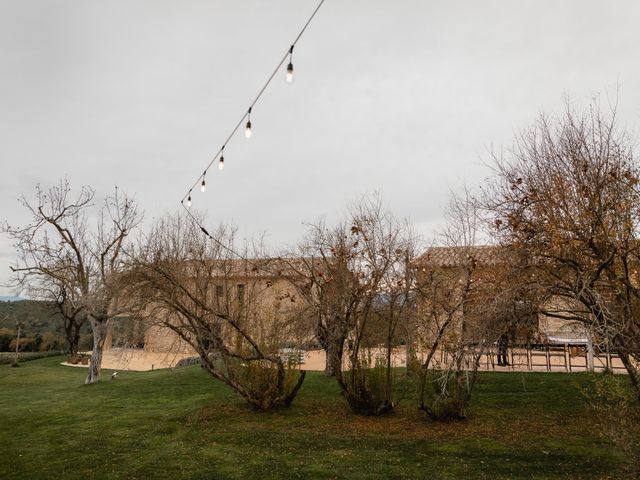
[454, 256]
[259, 268]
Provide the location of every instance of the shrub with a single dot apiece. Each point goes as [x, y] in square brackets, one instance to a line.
[446, 393]
[617, 410]
[265, 385]
[367, 386]
[185, 362]
[6, 358]
[51, 341]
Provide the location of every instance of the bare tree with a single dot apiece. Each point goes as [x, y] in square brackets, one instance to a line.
[58, 247]
[227, 309]
[463, 294]
[354, 278]
[329, 287]
[565, 199]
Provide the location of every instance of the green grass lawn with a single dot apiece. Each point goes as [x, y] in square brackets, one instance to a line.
[184, 424]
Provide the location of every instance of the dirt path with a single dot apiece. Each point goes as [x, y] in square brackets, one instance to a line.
[314, 360]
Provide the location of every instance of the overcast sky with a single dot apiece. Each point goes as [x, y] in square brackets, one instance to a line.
[404, 96]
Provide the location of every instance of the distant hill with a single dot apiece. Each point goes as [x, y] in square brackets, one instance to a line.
[8, 298]
[38, 319]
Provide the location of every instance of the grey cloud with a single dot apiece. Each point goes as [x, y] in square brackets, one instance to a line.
[403, 96]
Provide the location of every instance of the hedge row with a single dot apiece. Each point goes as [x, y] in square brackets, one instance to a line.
[6, 358]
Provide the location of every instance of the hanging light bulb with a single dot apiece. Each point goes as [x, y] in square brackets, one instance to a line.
[247, 130]
[189, 201]
[203, 186]
[289, 76]
[221, 161]
[290, 73]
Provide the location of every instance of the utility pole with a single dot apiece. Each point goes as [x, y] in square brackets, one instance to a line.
[19, 326]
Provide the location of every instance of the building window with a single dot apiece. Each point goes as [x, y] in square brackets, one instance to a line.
[240, 292]
[219, 295]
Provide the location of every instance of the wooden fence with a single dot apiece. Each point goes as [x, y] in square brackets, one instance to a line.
[544, 357]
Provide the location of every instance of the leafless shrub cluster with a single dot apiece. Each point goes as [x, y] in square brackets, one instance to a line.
[464, 305]
[195, 286]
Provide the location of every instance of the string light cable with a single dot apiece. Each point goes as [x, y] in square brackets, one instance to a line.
[201, 180]
[247, 115]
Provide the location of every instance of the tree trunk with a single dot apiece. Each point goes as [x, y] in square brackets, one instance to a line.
[74, 342]
[333, 350]
[72, 331]
[100, 328]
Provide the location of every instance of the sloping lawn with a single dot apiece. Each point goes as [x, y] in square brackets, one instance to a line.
[184, 424]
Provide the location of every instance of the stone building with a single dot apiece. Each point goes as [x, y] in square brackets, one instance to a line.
[488, 267]
[260, 293]
[266, 293]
